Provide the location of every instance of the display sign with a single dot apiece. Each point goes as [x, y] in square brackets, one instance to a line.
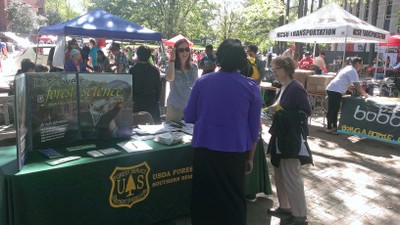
[59, 108]
[21, 121]
[374, 117]
[105, 105]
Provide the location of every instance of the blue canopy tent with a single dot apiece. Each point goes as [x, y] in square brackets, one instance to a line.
[98, 24]
[101, 24]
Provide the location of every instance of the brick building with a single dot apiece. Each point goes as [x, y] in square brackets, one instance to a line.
[37, 6]
[387, 16]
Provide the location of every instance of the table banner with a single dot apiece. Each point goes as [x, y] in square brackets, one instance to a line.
[137, 188]
[376, 118]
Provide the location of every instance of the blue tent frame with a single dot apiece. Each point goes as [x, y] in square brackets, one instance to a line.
[100, 24]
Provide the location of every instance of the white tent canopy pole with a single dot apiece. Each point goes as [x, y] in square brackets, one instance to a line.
[344, 54]
[315, 45]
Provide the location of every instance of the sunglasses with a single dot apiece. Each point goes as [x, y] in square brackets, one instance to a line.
[180, 50]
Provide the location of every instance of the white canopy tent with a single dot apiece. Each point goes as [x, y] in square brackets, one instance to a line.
[330, 24]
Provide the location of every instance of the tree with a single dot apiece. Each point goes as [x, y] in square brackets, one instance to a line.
[130, 186]
[398, 21]
[250, 21]
[54, 17]
[170, 17]
[202, 23]
[227, 21]
[58, 11]
[22, 19]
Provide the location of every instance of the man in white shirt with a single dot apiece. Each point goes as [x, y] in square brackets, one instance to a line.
[337, 87]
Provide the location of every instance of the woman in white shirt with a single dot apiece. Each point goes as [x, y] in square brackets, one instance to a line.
[338, 86]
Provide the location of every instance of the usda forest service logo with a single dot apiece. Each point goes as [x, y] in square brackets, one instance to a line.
[40, 99]
[130, 185]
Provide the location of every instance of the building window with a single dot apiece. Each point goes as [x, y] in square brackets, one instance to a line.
[388, 14]
[388, 9]
[366, 14]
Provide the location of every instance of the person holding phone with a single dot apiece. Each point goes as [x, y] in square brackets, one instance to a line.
[181, 74]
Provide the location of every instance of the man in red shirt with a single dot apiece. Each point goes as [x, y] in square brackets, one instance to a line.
[306, 62]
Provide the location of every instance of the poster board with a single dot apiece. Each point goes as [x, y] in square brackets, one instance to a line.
[387, 54]
[375, 118]
[56, 109]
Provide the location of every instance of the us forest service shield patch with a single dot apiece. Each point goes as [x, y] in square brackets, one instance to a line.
[130, 185]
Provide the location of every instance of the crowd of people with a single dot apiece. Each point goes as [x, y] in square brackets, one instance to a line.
[224, 103]
[307, 62]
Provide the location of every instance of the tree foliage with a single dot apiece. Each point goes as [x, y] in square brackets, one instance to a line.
[249, 20]
[170, 17]
[21, 17]
[59, 11]
[54, 17]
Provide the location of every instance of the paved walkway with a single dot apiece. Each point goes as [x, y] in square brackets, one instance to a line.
[354, 182]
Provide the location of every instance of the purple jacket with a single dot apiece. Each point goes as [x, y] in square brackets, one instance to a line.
[295, 97]
[70, 67]
[225, 109]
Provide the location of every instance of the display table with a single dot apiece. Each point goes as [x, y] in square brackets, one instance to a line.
[267, 86]
[268, 93]
[97, 191]
[301, 75]
[100, 191]
[376, 118]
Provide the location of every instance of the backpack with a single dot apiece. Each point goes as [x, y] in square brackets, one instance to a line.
[253, 70]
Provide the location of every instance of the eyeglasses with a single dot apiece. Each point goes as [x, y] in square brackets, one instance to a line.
[276, 68]
[180, 50]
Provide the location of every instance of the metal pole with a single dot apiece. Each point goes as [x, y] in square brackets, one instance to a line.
[344, 52]
[315, 45]
[384, 66]
[376, 62]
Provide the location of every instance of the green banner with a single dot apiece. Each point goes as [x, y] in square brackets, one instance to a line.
[129, 188]
[376, 118]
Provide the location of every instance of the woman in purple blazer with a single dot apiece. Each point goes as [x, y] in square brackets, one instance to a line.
[225, 108]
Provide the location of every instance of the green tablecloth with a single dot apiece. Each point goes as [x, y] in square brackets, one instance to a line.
[129, 188]
[258, 180]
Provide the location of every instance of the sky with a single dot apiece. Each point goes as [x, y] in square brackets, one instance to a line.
[77, 4]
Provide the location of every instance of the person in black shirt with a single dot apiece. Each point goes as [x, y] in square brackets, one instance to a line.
[146, 85]
[209, 62]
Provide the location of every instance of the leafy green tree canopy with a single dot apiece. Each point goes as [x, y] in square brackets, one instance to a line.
[22, 19]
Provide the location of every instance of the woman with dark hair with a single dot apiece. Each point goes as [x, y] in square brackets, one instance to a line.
[225, 107]
[146, 85]
[103, 64]
[85, 58]
[181, 74]
[338, 86]
[288, 146]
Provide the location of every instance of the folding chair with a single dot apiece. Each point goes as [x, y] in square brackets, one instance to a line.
[142, 118]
